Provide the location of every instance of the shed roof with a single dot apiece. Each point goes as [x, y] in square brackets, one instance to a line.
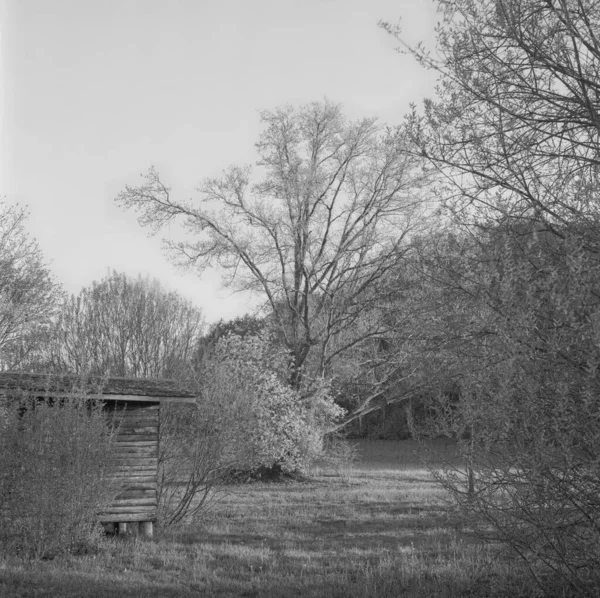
[132, 389]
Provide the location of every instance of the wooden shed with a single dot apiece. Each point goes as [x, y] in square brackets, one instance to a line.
[136, 403]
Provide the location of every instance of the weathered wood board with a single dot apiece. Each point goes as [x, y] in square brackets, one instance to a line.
[137, 461]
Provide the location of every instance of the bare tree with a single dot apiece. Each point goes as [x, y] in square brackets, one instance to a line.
[515, 128]
[28, 293]
[128, 327]
[328, 211]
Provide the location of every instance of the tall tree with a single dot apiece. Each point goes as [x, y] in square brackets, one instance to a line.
[436, 320]
[126, 327]
[28, 293]
[328, 211]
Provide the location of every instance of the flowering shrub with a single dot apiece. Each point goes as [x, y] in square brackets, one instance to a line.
[276, 425]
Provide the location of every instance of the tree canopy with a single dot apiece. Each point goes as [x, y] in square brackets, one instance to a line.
[28, 293]
[325, 214]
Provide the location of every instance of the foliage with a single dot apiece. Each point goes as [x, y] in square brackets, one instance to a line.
[28, 293]
[248, 422]
[55, 474]
[275, 424]
[527, 416]
[430, 333]
[125, 327]
[387, 423]
[240, 326]
[329, 210]
[514, 127]
[514, 134]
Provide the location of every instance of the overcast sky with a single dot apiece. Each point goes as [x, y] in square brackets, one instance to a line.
[96, 91]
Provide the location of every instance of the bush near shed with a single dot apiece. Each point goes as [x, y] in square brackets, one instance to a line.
[55, 475]
[249, 424]
[277, 428]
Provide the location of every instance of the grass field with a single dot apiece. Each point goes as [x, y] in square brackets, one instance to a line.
[381, 528]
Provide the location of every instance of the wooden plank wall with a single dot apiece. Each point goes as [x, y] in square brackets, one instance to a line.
[137, 455]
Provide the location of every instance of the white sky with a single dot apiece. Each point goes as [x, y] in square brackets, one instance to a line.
[95, 91]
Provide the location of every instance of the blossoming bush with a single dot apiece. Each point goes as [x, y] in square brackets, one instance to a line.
[248, 423]
[277, 427]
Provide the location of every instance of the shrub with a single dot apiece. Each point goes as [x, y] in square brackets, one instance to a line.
[55, 474]
[248, 423]
[526, 413]
[194, 457]
[339, 454]
[277, 427]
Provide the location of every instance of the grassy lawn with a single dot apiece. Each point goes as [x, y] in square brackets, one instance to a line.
[379, 529]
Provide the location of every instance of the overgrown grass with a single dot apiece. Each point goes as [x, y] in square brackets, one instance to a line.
[380, 529]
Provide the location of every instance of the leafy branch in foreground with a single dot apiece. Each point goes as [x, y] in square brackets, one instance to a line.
[514, 132]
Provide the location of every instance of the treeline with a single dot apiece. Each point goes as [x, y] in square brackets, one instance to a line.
[119, 326]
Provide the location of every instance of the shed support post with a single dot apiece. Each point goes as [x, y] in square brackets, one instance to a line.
[146, 529]
[122, 528]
